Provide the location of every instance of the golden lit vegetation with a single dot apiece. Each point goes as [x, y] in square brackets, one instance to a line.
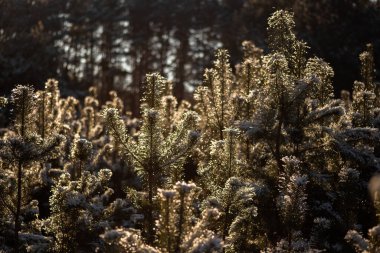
[266, 160]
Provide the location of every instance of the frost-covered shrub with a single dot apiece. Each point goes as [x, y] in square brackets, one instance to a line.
[20, 150]
[82, 209]
[280, 164]
[159, 151]
[177, 228]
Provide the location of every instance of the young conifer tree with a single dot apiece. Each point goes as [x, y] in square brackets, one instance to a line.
[282, 40]
[249, 80]
[363, 105]
[357, 142]
[82, 208]
[319, 74]
[178, 230]
[158, 156]
[367, 69]
[283, 165]
[19, 150]
[214, 98]
[295, 115]
[228, 191]
[47, 109]
[292, 199]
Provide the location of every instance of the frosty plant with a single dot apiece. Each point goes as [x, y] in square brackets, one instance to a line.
[249, 80]
[235, 202]
[214, 97]
[81, 206]
[364, 97]
[158, 159]
[47, 108]
[356, 239]
[224, 162]
[282, 165]
[363, 105]
[292, 199]
[272, 114]
[81, 152]
[319, 75]
[21, 149]
[231, 195]
[178, 230]
[367, 67]
[175, 215]
[282, 40]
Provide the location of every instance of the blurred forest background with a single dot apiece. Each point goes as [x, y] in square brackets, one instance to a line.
[112, 44]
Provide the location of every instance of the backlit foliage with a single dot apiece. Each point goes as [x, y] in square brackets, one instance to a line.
[159, 151]
[266, 160]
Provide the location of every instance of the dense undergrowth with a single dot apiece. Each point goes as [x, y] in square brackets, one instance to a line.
[265, 160]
